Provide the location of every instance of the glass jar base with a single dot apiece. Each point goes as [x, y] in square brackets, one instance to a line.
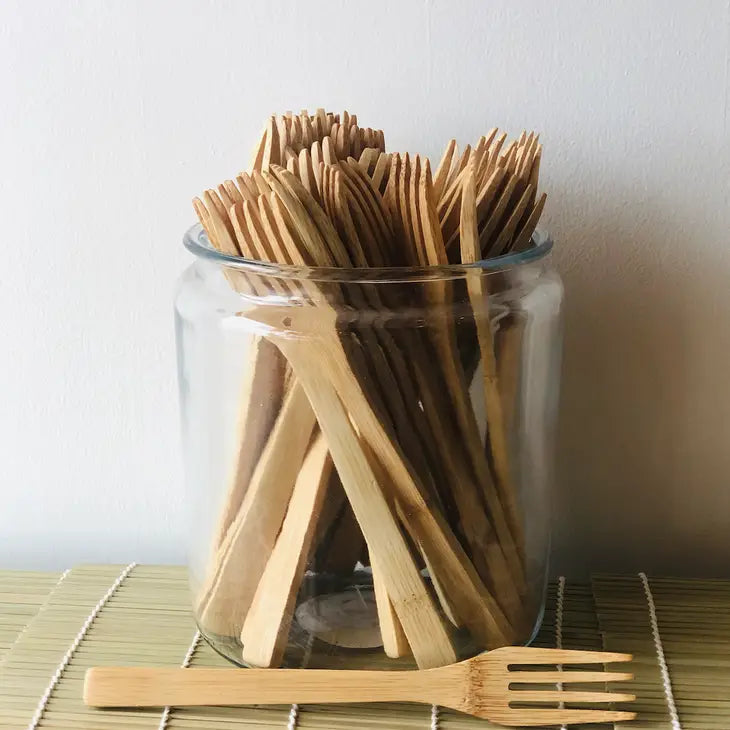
[336, 627]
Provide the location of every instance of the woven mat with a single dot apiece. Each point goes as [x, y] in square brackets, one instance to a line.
[104, 615]
[691, 622]
[21, 596]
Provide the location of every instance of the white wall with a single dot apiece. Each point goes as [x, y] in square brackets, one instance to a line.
[114, 114]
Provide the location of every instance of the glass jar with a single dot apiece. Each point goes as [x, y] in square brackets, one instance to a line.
[368, 456]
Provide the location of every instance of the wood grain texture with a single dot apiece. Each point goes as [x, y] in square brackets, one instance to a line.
[266, 627]
[228, 595]
[478, 291]
[480, 686]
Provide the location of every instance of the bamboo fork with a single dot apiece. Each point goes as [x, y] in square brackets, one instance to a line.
[482, 686]
[479, 298]
[266, 626]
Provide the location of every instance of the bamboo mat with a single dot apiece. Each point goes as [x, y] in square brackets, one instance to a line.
[140, 615]
[690, 627]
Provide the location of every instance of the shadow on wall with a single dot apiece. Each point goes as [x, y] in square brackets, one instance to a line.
[643, 472]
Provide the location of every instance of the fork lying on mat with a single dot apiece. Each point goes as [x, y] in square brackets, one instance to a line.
[482, 686]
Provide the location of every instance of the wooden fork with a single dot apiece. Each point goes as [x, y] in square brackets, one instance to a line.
[482, 686]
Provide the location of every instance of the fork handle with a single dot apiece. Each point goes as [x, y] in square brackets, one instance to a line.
[158, 687]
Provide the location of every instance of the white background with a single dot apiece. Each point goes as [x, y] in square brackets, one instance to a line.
[114, 114]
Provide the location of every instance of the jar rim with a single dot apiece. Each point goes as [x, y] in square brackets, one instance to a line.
[196, 241]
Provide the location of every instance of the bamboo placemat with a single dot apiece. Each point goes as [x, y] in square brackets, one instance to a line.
[686, 625]
[146, 620]
[140, 615]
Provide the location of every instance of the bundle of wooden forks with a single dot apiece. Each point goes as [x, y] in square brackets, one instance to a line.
[389, 406]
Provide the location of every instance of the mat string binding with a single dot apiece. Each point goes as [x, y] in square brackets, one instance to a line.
[185, 664]
[435, 717]
[664, 670]
[559, 601]
[41, 708]
[293, 720]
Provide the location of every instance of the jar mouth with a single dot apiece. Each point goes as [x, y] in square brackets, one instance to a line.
[196, 241]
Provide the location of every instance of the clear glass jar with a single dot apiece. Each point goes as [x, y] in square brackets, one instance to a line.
[368, 456]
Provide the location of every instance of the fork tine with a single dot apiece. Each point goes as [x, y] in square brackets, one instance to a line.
[570, 717]
[568, 677]
[562, 696]
[560, 656]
